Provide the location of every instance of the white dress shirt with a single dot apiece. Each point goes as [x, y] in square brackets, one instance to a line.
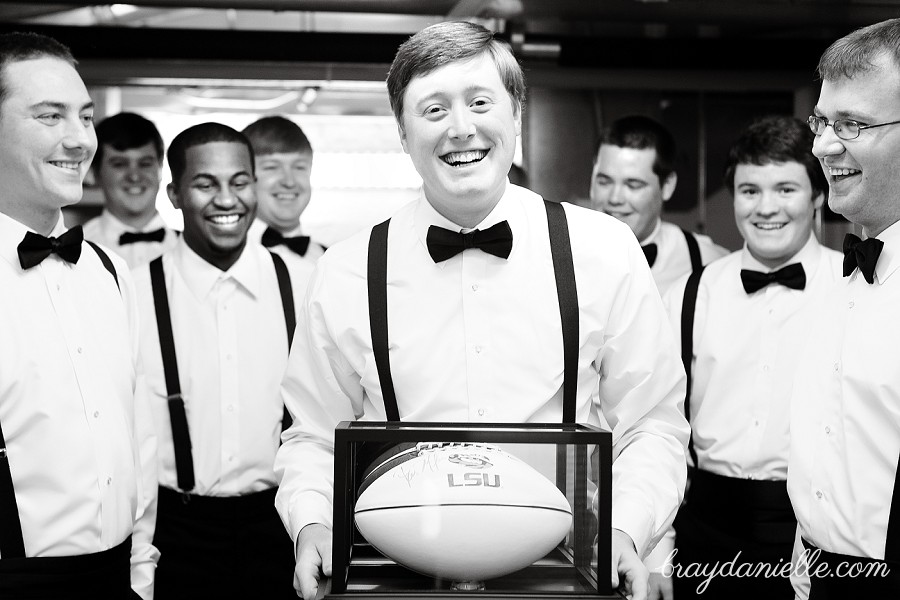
[746, 349]
[231, 348]
[73, 405]
[106, 230]
[845, 421]
[477, 338]
[300, 267]
[673, 260]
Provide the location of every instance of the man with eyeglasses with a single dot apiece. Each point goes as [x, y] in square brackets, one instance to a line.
[845, 423]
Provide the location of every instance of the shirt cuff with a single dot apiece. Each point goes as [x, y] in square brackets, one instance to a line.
[307, 510]
[661, 556]
[630, 517]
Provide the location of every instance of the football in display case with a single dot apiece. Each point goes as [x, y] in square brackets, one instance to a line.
[433, 510]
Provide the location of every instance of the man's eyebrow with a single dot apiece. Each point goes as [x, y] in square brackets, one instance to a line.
[844, 114]
[441, 93]
[60, 106]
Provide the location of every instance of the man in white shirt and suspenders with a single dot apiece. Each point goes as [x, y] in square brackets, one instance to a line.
[77, 451]
[633, 176]
[845, 426]
[217, 318]
[453, 311]
[127, 168]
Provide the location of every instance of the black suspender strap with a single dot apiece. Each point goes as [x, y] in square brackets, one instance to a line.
[290, 315]
[104, 258]
[566, 290]
[12, 544]
[378, 318]
[181, 437]
[287, 296]
[688, 308]
[693, 250]
[892, 542]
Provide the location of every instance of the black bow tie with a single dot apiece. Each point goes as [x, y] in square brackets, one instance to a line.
[792, 276]
[650, 251]
[444, 244]
[34, 247]
[862, 254]
[130, 237]
[298, 244]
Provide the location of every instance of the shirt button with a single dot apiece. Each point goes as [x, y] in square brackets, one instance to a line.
[230, 459]
[474, 287]
[58, 287]
[96, 414]
[827, 429]
[109, 481]
[766, 368]
[477, 349]
[851, 304]
[837, 367]
[480, 412]
[80, 350]
[819, 495]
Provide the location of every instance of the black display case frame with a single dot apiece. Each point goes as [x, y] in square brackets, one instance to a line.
[359, 572]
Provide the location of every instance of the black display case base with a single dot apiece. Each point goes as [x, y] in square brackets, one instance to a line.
[374, 577]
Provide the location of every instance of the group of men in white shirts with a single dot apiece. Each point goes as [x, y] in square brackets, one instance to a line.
[168, 400]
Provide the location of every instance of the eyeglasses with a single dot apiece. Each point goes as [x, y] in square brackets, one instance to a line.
[846, 129]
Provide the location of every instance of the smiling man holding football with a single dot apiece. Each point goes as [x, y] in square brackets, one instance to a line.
[450, 311]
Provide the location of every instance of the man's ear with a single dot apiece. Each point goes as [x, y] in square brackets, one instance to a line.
[668, 187]
[172, 193]
[517, 115]
[819, 201]
[402, 134]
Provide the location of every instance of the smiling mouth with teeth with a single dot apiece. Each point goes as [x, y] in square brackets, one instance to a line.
[769, 226]
[842, 172]
[459, 159]
[225, 219]
[69, 165]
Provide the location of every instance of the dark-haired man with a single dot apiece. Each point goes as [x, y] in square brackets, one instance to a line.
[77, 452]
[845, 427]
[127, 168]
[284, 160]
[473, 315]
[217, 317]
[634, 175]
[747, 316]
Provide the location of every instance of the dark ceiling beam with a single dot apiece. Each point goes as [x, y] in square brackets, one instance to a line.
[13, 11]
[149, 44]
[809, 13]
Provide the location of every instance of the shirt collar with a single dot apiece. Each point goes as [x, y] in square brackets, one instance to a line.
[651, 239]
[889, 259]
[508, 209]
[201, 276]
[12, 232]
[808, 256]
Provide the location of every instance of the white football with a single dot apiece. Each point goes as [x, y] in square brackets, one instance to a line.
[464, 512]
